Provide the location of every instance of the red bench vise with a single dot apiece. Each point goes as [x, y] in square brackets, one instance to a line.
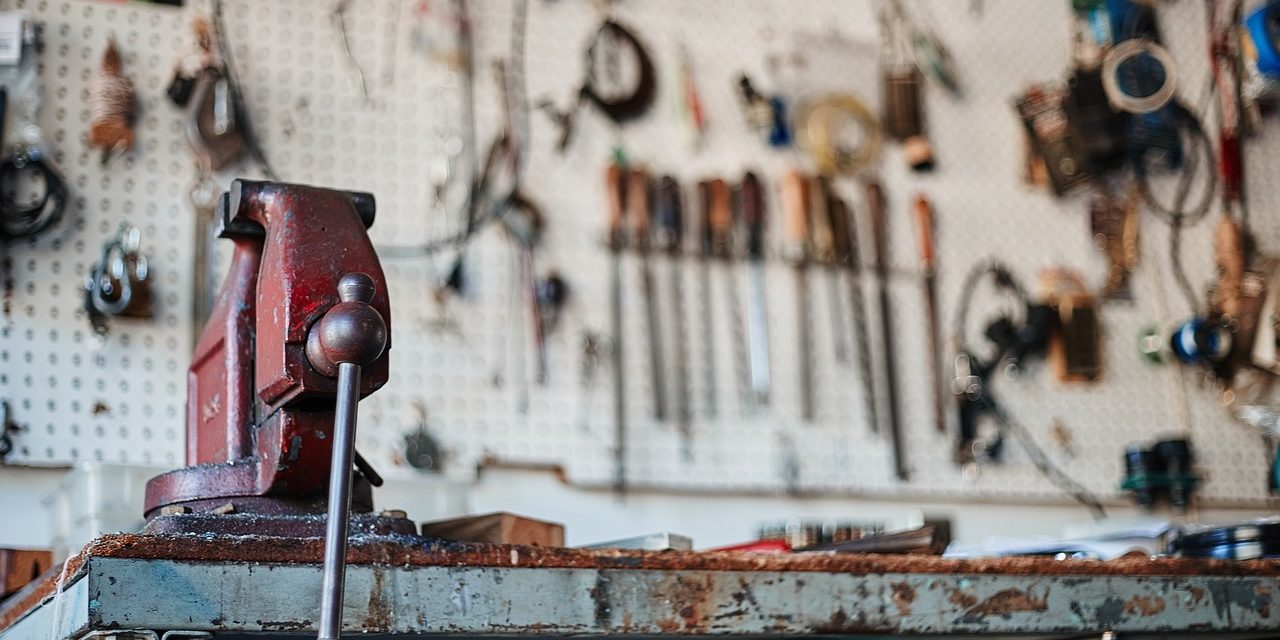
[260, 400]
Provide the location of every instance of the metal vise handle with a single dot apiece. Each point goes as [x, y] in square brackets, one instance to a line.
[350, 336]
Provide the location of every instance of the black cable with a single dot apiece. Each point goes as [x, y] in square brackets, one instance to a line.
[482, 207]
[1175, 264]
[26, 219]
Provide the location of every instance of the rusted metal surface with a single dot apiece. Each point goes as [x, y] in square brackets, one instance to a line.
[260, 416]
[743, 597]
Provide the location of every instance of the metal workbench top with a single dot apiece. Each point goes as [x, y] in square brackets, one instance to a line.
[412, 586]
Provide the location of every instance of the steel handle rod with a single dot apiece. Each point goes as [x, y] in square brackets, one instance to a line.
[335, 538]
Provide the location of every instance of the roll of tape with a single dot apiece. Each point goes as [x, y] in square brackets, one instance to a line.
[1128, 50]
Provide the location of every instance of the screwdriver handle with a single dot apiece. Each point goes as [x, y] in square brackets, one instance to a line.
[820, 220]
[706, 233]
[924, 226]
[614, 200]
[842, 240]
[795, 203]
[669, 215]
[876, 208]
[721, 217]
[638, 208]
[752, 202]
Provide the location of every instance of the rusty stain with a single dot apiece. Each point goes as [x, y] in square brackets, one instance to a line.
[1005, 602]
[380, 613]
[690, 597]
[962, 599]
[667, 625]
[904, 595]
[100, 408]
[1144, 605]
[1197, 595]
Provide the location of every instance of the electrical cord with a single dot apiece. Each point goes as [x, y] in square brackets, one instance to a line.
[1004, 279]
[25, 219]
[481, 205]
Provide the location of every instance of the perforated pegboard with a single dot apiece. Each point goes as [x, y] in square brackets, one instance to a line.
[125, 401]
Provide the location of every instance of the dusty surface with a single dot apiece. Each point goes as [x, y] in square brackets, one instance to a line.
[415, 551]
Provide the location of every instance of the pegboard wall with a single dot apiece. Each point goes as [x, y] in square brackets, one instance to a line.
[123, 400]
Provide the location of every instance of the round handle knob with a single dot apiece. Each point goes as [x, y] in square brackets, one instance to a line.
[350, 332]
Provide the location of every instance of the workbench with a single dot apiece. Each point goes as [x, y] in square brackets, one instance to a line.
[138, 586]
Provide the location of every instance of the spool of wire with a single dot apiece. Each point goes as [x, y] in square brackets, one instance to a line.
[112, 105]
[1130, 52]
[841, 134]
[1200, 341]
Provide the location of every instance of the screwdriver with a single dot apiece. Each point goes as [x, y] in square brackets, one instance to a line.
[706, 245]
[752, 202]
[879, 233]
[847, 253]
[638, 210]
[795, 201]
[617, 243]
[670, 220]
[721, 216]
[824, 251]
[924, 225]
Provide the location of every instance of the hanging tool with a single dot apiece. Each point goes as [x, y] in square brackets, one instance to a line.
[795, 201]
[637, 202]
[112, 106]
[706, 252]
[622, 106]
[824, 253]
[523, 222]
[933, 338]
[879, 237]
[670, 220]
[720, 205]
[848, 253]
[119, 283]
[615, 199]
[753, 215]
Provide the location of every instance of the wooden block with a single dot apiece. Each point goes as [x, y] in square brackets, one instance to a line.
[498, 528]
[20, 566]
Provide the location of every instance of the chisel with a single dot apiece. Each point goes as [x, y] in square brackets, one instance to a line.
[670, 221]
[721, 216]
[924, 225]
[617, 243]
[751, 199]
[638, 210]
[795, 202]
[848, 253]
[824, 251]
[879, 233]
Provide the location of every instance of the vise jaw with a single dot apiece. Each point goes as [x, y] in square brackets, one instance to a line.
[259, 415]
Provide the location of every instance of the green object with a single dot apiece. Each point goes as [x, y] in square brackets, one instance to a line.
[1085, 5]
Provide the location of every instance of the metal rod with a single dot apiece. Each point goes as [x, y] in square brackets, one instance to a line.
[335, 539]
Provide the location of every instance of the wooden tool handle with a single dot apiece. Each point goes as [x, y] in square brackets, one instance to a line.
[613, 188]
[838, 214]
[795, 203]
[875, 207]
[638, 206]
[752, 201]
[721, 213]
[924, 227]
[823, 237]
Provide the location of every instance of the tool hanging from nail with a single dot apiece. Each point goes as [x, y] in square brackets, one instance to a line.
[619, 104]
[706, 254]
[933, 338]
[848, 253]
[670, 221]
[523, 221]
[119, 283]
[903, 91]
[26, 210]
[723, 221]
[615, 202]
[112, 106]
[637, 203]
[795, 202]
[751, 199]
[880, 240]
[766, 115]
[824, 254]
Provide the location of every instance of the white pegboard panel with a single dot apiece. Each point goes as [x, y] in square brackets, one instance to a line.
[124, 402]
